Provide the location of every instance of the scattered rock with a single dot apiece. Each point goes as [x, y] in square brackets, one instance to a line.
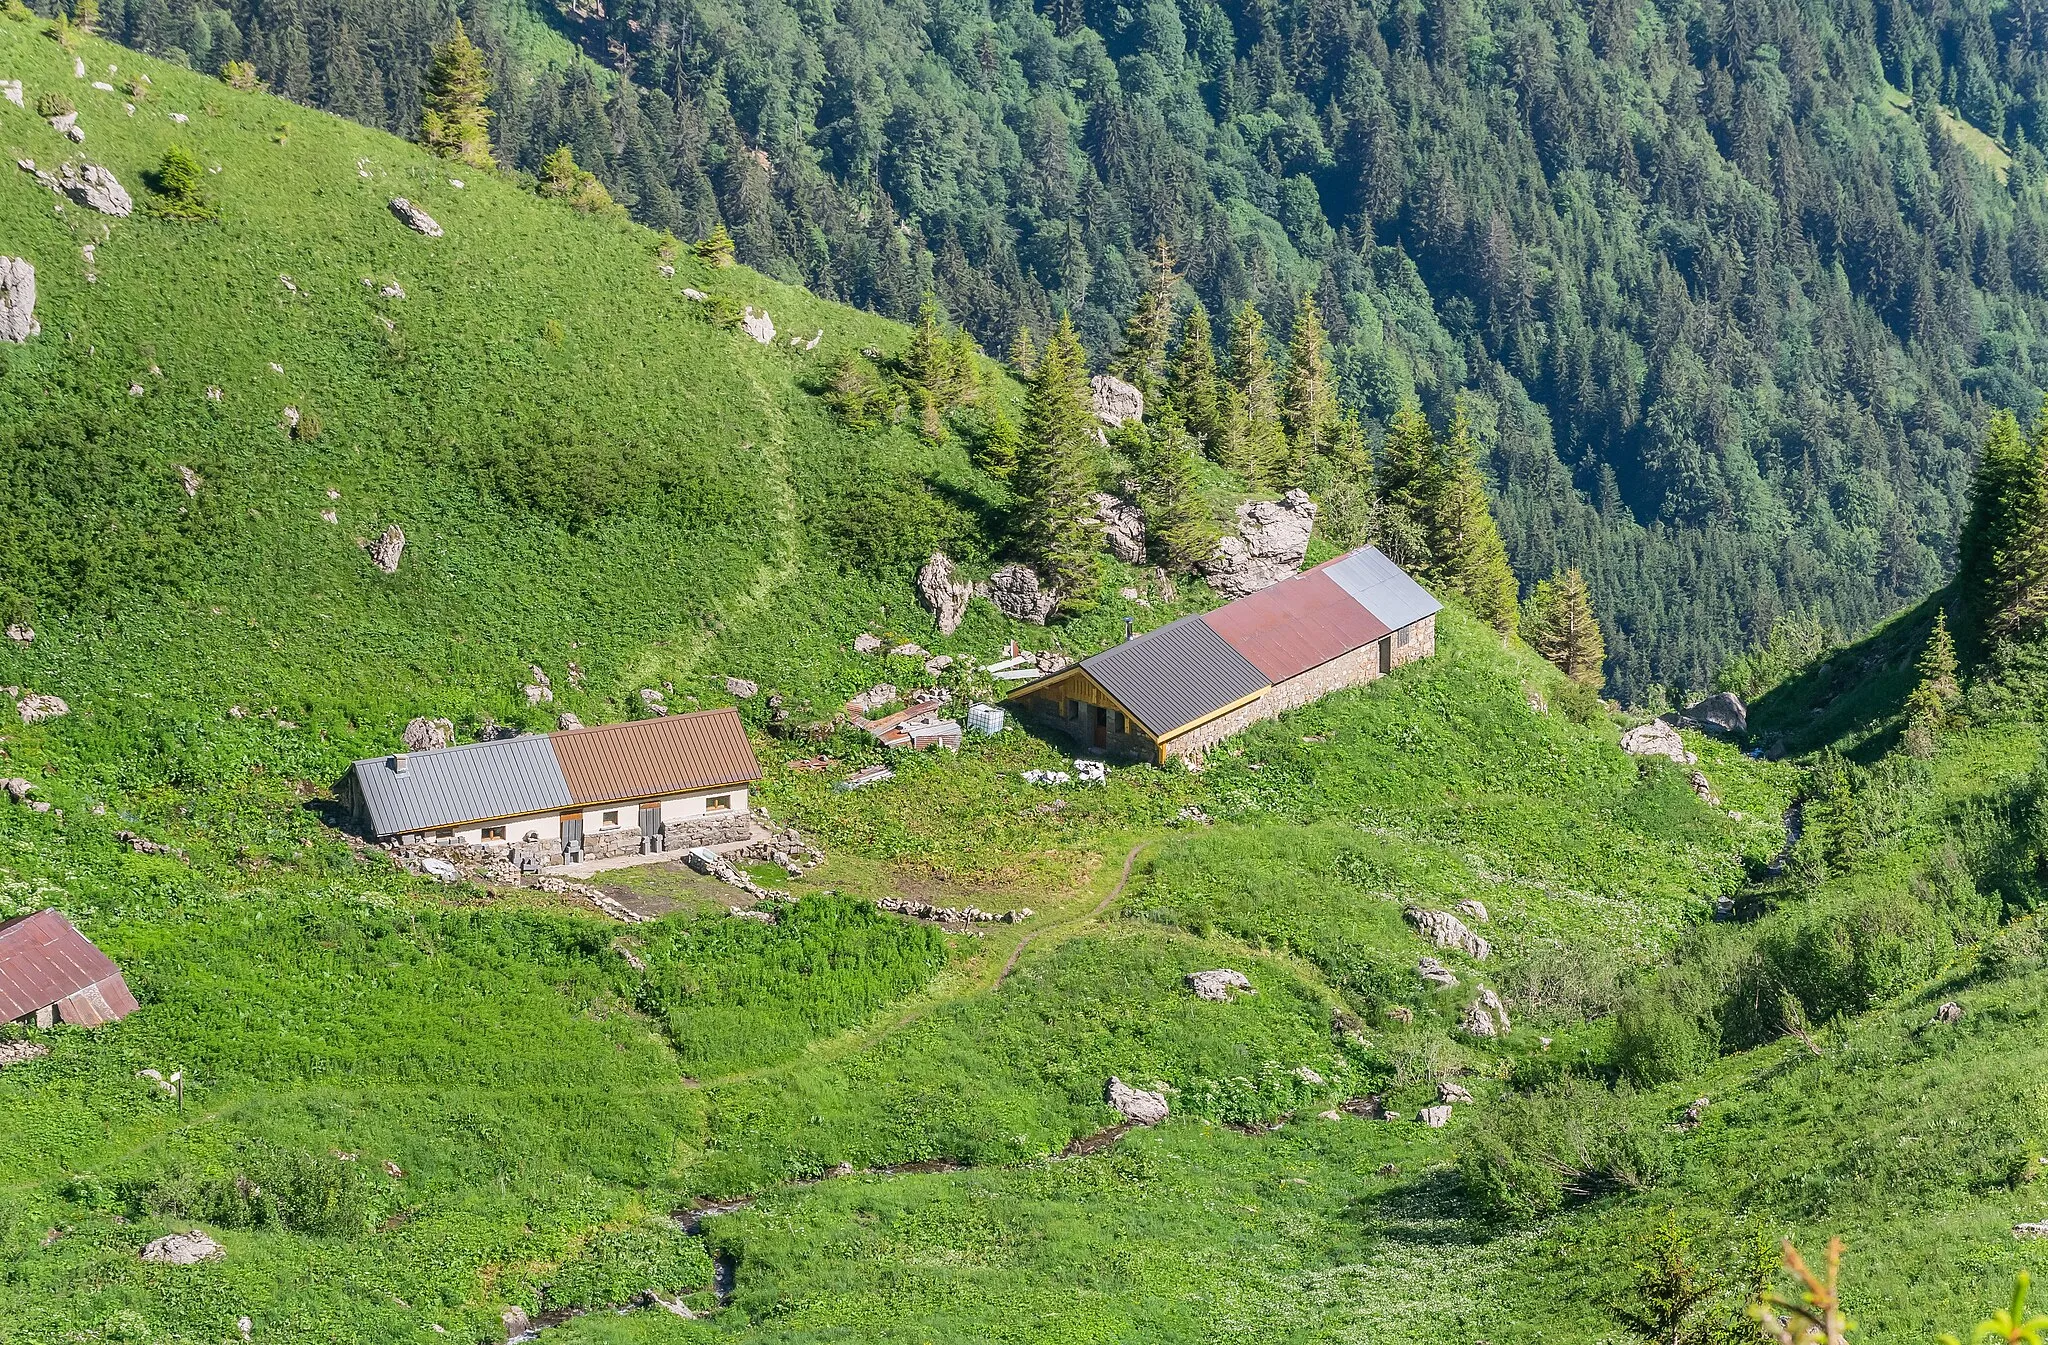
[1656, 739]
[1446, 1091]
[916, 651]
[1447, 931]
[1486, 1016]
[942, 591]
[2039, 1230]
[1331, 1115]
[1434, 972]
[182, 1249]
[1308, 1076]
[568, 721]
[21, 633]
[414, 218]
[288, 283]
[1135, 1104]
[871, 700]
[938, 664]
[329, 516]
[1216, 985]
[1951, 1012]
[21, 1052]
[1018, 594]
[191, 481]
[1437, 1117]
[1116, 401]
[516, 1322]
[742, 688]
[1472, 909]
[440, 870]
[924, 910]
[1123, 526]
[16, 788]
[1046, 777]
[1272, 538]
[287, 422]
[386, 550]
[92, 186]
[425, 735]
[695, 296]
[11, 88]
[758, 325]
[1722, 712]
[1691, 1119]
[866, 644]
[1704, 788]
[243, 1326]
[18, 300]
[1401, 1013]
[1193, 813]
[38, 706]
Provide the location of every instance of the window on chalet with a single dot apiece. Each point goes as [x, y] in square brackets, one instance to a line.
[718, 803]
[494, 833]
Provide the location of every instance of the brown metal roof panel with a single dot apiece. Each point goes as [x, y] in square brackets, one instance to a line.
[106, 1001]
[1295, 625]
[43, 959]
[672, 754]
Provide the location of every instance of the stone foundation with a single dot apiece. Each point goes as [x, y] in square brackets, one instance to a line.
[729, 829]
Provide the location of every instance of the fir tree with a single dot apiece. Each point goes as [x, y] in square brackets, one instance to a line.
[1936, 692]
[454, 123]
[1001, 443]
[1024, 354]
[1308, 408]
[1994, 490]
[1466, 553]
[1560, 625]
[1258, 443]
[1141, 360]
[931, 369]
[1407, 482]
[715, 248]
[1056, 474]
[178, 183]
[1180, 529]
[561, 179]
[1192, 390]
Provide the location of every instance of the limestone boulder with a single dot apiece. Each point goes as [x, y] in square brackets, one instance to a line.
[866, 644]
[1723, 712]
[18, 300]
[414, 218]
[386, 550]
[1217, 985]
[943, 592]
[1434, 972]
[741, 688]
[38, 706]
[1437, 1117]
[1019, 595]
[1136, 1105]
[183, 1249]
[1269, 545]
[1656, 739]
[758, 325]
[566, 720]
[1116, 401]
[425, 735]
[1123, 527]
[1447, 931]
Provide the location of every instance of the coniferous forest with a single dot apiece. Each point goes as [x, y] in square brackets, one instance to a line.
[1728, 290]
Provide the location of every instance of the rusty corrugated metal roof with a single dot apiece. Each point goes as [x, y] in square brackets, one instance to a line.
[1295, 625]
[613, 762]
[44, 960]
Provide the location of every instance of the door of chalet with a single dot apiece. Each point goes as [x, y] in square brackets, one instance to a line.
[1102, 726]
[1386, 655]
[572, 834]
[650, 828]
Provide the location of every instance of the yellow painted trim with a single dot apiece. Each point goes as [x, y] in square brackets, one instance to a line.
[1194, 724]
[1052, 680]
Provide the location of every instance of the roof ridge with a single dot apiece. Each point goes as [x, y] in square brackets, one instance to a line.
[732, 710]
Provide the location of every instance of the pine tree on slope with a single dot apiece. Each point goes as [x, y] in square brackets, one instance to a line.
[1192, 387]
[1406, 478]
[1141, 361]
[1179, 527]
[1560, 625]
[1255, 440]
[1466, 553]
[1936, 692]
[1056, 474]
[454, 123]
[1308, 407]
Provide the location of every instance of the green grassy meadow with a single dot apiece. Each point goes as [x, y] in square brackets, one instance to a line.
[410, 1107]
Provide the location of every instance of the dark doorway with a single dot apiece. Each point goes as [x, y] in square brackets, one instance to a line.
[572, 834]
[1386, 656]
[1101, 726]
[650, 828]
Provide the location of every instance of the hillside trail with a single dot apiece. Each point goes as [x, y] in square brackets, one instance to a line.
[846, 1043]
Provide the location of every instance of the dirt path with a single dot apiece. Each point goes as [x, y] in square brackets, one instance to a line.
[1100, 906]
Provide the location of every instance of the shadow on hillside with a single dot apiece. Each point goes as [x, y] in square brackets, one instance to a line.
[1428, 1212]
[1855, 695]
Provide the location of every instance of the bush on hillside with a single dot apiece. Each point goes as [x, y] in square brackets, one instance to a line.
[54, 105]
[1536, 1153]
[240, 75]
[273, 1187]
[1657, 1041]
[177, 182]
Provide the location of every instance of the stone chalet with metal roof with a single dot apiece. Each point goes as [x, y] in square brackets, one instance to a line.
[667, 783]
[51, 972]
[1181, 689]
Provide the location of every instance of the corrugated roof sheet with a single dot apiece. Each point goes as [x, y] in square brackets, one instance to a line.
[1175, 675]
[461, 784]
[1381, 587]
[648, 757]
[1295, 625]
[43, 960]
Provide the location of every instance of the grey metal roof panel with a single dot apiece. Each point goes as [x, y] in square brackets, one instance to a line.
[470, 783]
[1175, 675]
[1382, 587]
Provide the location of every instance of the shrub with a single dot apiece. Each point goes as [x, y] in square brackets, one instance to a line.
[308, 428]
[177, 182]
[1656, 1040]
[1535, 1153]
[1580, 704]
[716, 249]
[54, 105]
[240, 75]
[273, 1187]
[561, 179]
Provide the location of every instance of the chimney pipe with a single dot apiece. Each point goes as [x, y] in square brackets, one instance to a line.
[1127, 629]
[399, 765]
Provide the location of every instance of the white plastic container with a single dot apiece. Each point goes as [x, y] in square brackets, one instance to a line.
[987, 720]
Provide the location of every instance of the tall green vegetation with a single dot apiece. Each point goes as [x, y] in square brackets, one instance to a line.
[561, 178]
[2003, 556]
[1935, 691]
[1308, 404]
[939, 369]
[1255, 443]
[454, 123]
[179, 187]
[1056, 474]
[1141, 360]
[1466, 553]
[1197, 393]
[1560, 625]
[1179, 526]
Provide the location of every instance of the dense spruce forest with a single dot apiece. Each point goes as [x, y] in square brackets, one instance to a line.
[1727, 289]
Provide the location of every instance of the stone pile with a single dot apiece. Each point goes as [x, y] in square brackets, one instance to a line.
[959, 915]
[1447, 931]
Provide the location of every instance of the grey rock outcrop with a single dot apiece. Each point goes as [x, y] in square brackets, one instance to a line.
[1271, 540]
[1656, 739]
[866, 644]
[758, 325]
[386, 550]
[1018, 594]
[1949, 1012]
[1136, 1104]
[18, 300]
[1722, 712]
[1123, 527]
[1216, 985]
[37, 706]
[182, 1249]
[1447, 931]
[741, 688]
[1446, 1091]
[1434, 972]
[11, 89]
[1486, 1016]
[943, 592]
[414, 218]
[91, 186]
[1437, 1117]
[1472, 909]
[1116, 401]
[566, 720]
[425, 735]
